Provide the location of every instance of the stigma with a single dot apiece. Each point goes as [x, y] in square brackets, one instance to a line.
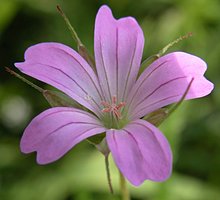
[113, 107]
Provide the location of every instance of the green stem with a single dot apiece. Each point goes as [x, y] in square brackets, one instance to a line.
[108, 174]
[123, 186]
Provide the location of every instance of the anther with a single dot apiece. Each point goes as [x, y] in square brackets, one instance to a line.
[113, 107]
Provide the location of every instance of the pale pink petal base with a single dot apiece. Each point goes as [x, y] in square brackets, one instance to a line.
[56, 131]
[141, 152]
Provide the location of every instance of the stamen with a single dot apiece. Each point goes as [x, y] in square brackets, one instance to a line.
[106, 110]
[113, 107]
[105, 104]
[114, 100]
[120, 105]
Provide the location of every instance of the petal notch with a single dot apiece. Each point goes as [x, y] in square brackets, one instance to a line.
[118, 51]
[141, 152]
[55, 131]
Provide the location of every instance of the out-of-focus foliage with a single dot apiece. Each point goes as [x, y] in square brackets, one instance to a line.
[193, 130]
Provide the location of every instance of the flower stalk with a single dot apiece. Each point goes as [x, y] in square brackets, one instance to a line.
[108, 174]
[123, 187]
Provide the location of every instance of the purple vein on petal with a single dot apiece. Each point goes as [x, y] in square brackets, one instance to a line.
[161, 85]
[70, 90]
[65, 75]
[103, 64]
[61, 71]
[116, 57]
[100, 96]
[142, 82]
[53, 147]
[131, 64]
[69, 110]
[70, 123]
[97, 110]
[140, 124]
[89, 129]
[150, 105]
[136, 142]
[113, 135]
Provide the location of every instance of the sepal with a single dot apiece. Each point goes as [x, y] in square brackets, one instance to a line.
[59, 99]
[154, 57]
[80, 46]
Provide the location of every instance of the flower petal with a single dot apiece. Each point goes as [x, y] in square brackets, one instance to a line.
[63, 68]
[166, 80]
[56, 131]
[141, 152]
[118, 51]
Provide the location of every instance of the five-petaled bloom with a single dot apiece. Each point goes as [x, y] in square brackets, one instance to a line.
[116, 97]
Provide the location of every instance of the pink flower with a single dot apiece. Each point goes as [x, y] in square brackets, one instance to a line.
[115, 96]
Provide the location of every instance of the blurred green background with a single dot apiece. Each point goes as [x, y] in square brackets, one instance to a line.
[193, 130]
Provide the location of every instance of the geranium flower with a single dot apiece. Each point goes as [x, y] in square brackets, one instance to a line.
[115, 96]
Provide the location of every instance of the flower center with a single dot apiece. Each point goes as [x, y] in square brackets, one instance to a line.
[114, 118]
[113, 107]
